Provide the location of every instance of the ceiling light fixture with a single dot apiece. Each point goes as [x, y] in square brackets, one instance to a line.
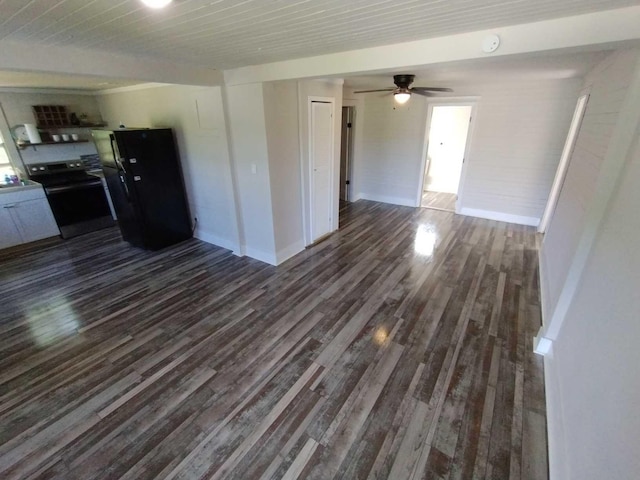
[156, 3]
[402, 95]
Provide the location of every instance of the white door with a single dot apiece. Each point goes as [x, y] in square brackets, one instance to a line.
[321, 153]
[447, 143]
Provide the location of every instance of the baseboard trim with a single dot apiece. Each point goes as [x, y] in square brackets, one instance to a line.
[387, 199]
[263, 256]
[217, 241]
[286, 253]
[500, 216]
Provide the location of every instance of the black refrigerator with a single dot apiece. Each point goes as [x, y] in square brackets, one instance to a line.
[143, 174]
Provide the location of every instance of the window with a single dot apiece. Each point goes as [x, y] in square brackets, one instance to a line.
[5, 163]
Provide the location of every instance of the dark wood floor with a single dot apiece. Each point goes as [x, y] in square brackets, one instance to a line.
[398, 348]
[439, 201]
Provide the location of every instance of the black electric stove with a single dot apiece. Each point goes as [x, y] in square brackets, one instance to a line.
[77, 198]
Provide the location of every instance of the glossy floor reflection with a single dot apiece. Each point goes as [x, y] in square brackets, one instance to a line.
[398, 348]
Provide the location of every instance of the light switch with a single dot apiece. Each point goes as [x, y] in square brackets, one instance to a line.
[254, 168]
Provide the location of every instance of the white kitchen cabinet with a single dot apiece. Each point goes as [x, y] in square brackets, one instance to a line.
[34, 220]
[9, 234]
[25, 216]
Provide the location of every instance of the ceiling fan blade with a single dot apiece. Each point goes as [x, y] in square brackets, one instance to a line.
[432, 89]
[423, 93]
[378, 90]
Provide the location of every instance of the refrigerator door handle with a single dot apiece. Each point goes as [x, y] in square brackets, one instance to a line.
[121, 171]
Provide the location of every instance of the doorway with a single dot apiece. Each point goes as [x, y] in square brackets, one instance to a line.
[447, 138]
[346, 153]
[321, 163]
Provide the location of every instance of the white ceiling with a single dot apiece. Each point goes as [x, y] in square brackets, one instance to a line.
[232, 33]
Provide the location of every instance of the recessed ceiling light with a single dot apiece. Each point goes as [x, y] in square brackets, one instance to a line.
[156, 3]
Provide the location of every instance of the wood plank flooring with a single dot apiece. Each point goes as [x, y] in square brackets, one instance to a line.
[398, 348]
[439, 201]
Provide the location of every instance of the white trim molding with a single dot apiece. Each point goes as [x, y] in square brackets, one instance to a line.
[500, 216]
[406, 202]
[286, 253]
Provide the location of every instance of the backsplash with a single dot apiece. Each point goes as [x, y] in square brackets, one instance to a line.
[92, 162]
[56, 153]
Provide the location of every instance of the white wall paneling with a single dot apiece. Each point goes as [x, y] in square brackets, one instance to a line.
[593, 321]
[561, 173]
[608, 86]
[518, 132]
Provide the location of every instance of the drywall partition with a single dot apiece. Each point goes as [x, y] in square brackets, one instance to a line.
[593, 386]
[246, 117]
[283, 144]
[196, 116]
[515, 146]
[308, 89]
[607, 85]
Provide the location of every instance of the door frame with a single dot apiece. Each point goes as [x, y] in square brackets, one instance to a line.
[448, 102]
[349, 152]
[309, 195]
[565, 160]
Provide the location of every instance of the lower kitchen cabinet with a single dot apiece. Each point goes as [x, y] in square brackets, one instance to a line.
[25, 217]
[9, 234]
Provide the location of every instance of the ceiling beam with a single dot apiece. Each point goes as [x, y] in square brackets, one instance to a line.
[590, 31]
[21, 56]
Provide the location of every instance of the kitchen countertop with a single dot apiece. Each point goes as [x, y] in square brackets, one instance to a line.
[29, 185]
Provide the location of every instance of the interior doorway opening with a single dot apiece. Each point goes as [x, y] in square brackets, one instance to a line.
[346, 155]
[447, 139]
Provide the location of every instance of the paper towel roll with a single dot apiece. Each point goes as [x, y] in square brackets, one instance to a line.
[32, 133]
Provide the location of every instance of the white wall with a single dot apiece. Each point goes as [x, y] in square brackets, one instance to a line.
[591, 373]
[393, 146]
[607, 85]
[17, 108]
[327, 89]
[196, 115]
[281, 117]
[594, 365]
[520, 128]
[246, 117]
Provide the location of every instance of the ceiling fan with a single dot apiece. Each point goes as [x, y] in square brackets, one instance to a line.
[402, 92]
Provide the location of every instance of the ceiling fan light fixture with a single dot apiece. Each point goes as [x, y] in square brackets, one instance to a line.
[402, 95]
[156, 3]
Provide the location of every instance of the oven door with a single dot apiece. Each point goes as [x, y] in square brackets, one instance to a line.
[79, 207]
